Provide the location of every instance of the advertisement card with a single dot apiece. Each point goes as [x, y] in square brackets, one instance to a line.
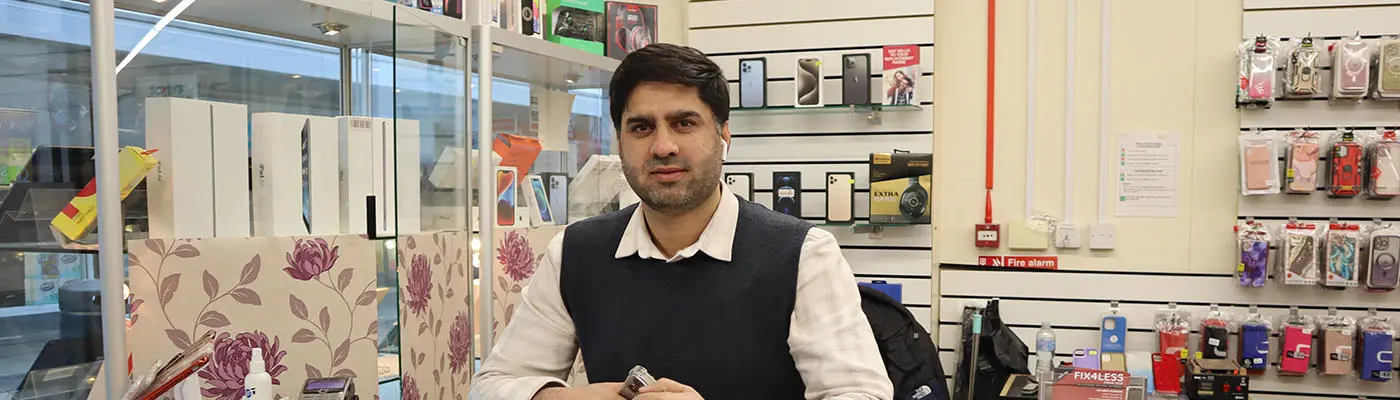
[1089, 384]
[901, 74]
[630, 27]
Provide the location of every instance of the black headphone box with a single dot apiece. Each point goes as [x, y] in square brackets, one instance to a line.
[900, 183]
[630, 27]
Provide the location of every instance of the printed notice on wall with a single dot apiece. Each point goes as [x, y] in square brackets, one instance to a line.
[1147, 174]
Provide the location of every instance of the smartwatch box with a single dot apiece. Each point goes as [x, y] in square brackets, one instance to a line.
[576, 23]
[1216, 379]
[1085, 384]
[899, 187]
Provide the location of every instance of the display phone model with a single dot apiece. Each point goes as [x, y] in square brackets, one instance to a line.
[1113, 329]
[1385, 169]
[1166, 373]
[505, 197]
[1302, 168]
[787, 193]
[1381, 271]
[1086, 358]
[558, 196]
[808, 85]
[541, 199]
[753, 83]
[741, 183]
[1337, 342]
[1388, 69]
[306, 175]
[840, 191]
[1254, 347]
[855, 79]
[528, 18]
[1345, 180]
[1297, 350]
[1258, 160]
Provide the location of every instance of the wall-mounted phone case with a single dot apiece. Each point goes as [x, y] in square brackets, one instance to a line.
[787, 193]
[1262, 73]
[1113, 361]
[1351, 68]
[1254, 347]
[855, 79]
[741, 183]
[753, 82]
[1381, 272]
[840, 194]
[1302, 78]
[1377, 355]
[1166, 373]
[1296, 354]
[1215, 341]
[1343, 255]
[1384, 162]
[1086, 358]
[1258, 166]
[1113, 332]
[1302, 168]
[807, 87]
[505, 196]
[1345, 178]
[1337, 345]
[1388, 69]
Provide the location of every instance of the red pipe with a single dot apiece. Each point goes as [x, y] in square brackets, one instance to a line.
[991, 98]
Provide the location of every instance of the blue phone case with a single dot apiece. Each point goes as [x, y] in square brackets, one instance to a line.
[1115, 334]
[1376, 356]
[1254, 346]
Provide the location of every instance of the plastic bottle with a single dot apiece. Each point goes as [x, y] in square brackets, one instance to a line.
[1044, 349]
[258, 384]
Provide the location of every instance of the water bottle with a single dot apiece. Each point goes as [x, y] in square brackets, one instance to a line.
[1044, 349]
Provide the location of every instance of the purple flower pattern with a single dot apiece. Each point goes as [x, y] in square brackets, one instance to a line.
[420, 284]
[410, 389]
[516, 256]
[459, 343]
[223, 377]
[310, 258]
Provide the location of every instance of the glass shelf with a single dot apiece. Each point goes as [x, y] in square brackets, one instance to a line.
[833, 108]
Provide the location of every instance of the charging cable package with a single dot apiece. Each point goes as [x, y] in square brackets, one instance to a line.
[1254, 342]
[1337, 338]
[1387, 69]
[1301, 79]
[1173, 331]
[1303, 147]
[1383, 157]
[1258, 67]
[1296, 339]
[1253, 239]
[1351, 68]
[1343, 255]
[1259, 167]
[1345, 175]
[1299, 243]
[1382, 253]
[1376, 359]
[1215, 335]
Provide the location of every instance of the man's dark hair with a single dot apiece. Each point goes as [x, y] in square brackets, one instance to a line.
[669, 63]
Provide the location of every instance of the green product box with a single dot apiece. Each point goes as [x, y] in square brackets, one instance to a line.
[577, 23]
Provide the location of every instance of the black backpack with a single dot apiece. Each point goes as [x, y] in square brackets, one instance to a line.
[1000, 354]
[911, 358]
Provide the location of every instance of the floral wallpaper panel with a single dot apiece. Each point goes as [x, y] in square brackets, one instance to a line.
[435, 322]
[519, 252]
[308, 302]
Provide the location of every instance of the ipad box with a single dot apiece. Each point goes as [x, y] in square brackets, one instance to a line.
[357, 173]
[295, 175]
[200, 187]
[380, 157]
[404, 167]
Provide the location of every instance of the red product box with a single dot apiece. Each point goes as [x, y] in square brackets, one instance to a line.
[1088, 384]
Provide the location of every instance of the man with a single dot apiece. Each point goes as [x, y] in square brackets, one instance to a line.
[717, 297]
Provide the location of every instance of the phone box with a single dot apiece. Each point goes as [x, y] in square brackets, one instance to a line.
[631, 27]
[295, 183]
[1085, 384]
[1216, 379]
[576, 23]
[900, 184]
[200, 186]
[358, 178]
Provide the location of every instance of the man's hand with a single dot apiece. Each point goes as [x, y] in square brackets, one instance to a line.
[666, 389]
[597, 391]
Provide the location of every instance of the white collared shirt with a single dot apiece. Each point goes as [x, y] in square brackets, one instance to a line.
[829, 338]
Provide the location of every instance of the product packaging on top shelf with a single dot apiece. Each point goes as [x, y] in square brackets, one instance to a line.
[1351, 68]
[1259, 168]
[630, 27]
[900, 184]
[1343, 255]
[1215, 335]
[1383, 251]
[1383, 158]
[1387, 69]
[576, 23]
[1258, 65]
[1336, 337]
[1301, 79]
[1345, 177]
[1254, 342]
[1375, 361]
[1302, 154]
[1299, 244]
[1253, 239]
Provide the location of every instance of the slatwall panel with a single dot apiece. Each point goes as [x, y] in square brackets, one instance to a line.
[1031, 297]
[815, 142]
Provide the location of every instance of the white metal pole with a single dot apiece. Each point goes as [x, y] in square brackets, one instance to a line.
[486, 183]
[109, 212]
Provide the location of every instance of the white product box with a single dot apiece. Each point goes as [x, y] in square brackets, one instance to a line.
[200, 187]
[357, 179]
[407, 200]
[296, 175]
[381, 158]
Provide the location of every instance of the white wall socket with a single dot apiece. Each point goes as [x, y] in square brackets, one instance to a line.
[1102, 237]
[1067, 236]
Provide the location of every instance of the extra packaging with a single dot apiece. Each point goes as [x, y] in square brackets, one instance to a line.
[1376, 358]
[1300, 243]
[1259, 168]
[577, 23]
[1085, 384]
[1302, 154]
[1216, 379]
[1253, 239]
[1351, 68]
[1382, 252]
[76, 219]
[1254, 343]
[899, 187]
[1258, 63]
[1295, 345]
[1301, 79]
[1336, 340]
[1343, 255]
[1383, 158]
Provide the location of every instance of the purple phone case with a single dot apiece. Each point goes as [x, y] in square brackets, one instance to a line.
[1254, 258]
[1086, 358]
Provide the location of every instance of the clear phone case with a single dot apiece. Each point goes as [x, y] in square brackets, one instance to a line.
[1351, 68]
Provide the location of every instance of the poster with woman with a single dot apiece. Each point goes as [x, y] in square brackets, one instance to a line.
[901, 74]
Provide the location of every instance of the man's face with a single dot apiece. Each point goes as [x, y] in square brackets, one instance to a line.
[671, 146]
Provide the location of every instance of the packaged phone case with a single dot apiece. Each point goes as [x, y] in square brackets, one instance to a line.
[1259, 168]
[1296, 339]
[1215, 335]
[1173, 332]
[1382, 252]
[1343, 247]
[1351, 68]
[1253, 239]
[1345, 177]
[1375, 360]
[1336, 340]
[1302, 154]
[1387, 69]
[1166, 373]
[1299, 244]
[1301, 79]
[1254, 342]
[1383, 158]
[1258, 70]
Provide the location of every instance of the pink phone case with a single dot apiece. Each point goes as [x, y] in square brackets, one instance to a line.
[1297, 350]
[1302, 165]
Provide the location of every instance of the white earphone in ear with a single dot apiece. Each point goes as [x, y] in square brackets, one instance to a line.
[724, 153]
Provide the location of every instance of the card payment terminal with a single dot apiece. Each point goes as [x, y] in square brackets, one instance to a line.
[336, 388]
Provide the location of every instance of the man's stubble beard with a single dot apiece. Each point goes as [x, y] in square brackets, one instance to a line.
[701, 183]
